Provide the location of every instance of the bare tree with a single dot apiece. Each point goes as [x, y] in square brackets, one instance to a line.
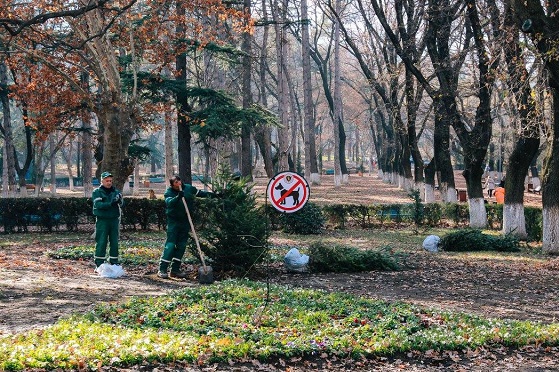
[527, 129]
[337, 117]
[9, 187]
[542, 25]
[280, 23]
[311, 165]
[246, 148]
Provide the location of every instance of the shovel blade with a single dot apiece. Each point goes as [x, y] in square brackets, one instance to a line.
[205, 276]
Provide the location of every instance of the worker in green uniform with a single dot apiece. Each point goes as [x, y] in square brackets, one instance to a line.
[178, 227]
[107, 203]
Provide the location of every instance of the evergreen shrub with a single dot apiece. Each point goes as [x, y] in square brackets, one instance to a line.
[231, 227]
[433, 213]
[343, 258]
[418, 209]
[470, 240]
[456, 212]
[534, 223]
[308, 220]
[335, 214]
[494, 216]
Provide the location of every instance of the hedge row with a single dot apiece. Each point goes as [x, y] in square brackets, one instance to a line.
[17, 214]
[430, 214]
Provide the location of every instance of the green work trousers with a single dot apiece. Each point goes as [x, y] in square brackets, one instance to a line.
[106, 231]
[175, 245]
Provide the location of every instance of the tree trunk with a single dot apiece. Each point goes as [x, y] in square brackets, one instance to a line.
[183, 129]
[550, 177]
[263, 134]
[528, 140]
[279, 17]
[184, 143]
[52, 164]
[5, 185]
[169, 171]
[311, 167]
[39, 168]
[430, 171]
[246, 142]
[136, 186]
[442, 154]
[68, 159]
[9, 150]
[337, 113]
[543, 28]
[117, 124]
[87, 151]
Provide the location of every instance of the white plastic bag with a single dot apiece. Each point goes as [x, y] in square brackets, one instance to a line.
[107, 270]
[295, 261]
[431, 243]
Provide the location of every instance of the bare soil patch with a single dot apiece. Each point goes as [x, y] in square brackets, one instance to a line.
[36, 291]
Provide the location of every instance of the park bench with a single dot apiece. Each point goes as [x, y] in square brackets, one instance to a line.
[35, 219]
[394, 214]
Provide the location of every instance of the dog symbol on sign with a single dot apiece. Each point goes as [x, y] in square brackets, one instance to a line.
[294, 194]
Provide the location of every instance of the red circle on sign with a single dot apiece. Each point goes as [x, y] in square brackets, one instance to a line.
[288, 192]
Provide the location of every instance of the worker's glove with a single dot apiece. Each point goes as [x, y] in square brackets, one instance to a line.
[181, 194]
[116, 199]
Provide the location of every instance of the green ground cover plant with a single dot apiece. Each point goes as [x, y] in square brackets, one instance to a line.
[234, 319]
[131, 253]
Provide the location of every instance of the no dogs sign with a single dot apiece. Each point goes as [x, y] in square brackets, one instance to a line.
[288, 192]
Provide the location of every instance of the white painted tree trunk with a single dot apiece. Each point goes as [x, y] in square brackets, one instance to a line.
[551, 230]
[448, 194]
[315, 179]
[384, 177]
[337, 180]
[408, 184]
[400, 181]
[421, 187]
[514, 222]
[68, 158]
[478, 213]
[126, 188]
[429, 193]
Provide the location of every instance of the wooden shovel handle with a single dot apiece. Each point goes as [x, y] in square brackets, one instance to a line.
[194, 234]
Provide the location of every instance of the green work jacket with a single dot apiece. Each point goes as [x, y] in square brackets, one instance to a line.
[102, 199]
[175, 207]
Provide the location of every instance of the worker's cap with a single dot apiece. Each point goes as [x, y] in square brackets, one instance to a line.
[105, 175]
